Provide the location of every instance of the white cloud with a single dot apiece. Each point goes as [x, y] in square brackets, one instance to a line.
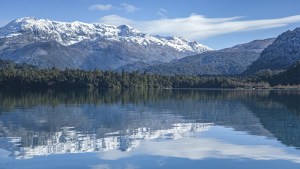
[117, 20]
[101, 166]
[101, 7]
[198, 149]
[197, 27]
[123, 6]
[4, 154]
[129, 8]
[106, 166]
[162, 12]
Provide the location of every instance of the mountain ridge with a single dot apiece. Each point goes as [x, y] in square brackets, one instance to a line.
[86, 31]
[120, 45]
[88, 46]
[228, 61]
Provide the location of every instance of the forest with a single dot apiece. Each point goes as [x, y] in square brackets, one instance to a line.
[25, 76]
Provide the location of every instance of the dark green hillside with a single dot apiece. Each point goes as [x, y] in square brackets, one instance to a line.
[280, 55]
[289, 77]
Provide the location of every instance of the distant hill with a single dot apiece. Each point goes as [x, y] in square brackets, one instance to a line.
[4, 64]
[227, 61]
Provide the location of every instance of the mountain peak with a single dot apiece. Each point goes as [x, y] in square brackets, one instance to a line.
[69, 33]
[24, 19]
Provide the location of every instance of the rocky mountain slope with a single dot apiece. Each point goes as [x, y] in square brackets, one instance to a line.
[282, 54]
[227, 61]
[47, 43]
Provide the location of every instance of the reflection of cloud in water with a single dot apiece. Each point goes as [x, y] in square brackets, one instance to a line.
[106, 166]
[203, 148]
[4, 153]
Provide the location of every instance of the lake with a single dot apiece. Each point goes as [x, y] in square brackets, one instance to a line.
[130, 129]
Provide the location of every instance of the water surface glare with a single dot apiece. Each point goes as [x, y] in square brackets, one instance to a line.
[131, 129]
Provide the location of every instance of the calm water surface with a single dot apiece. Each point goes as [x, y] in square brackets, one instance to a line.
[150, 129]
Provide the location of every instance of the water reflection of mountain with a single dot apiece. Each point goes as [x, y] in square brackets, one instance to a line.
[69, 140]
[279, 113]
[33, 124]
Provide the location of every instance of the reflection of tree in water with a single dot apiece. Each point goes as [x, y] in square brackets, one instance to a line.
[11, 99]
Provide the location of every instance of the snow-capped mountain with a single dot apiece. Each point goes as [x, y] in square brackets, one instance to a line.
[47, 43]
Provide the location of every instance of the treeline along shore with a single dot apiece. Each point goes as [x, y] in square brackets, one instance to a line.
[25, 76]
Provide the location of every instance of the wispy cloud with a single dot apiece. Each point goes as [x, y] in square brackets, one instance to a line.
[198, 149]
[106, 7]
[4, 154]
[162, 13]
[101, 7]
[118, 20]
[101, 166]
[197, 27]
[129, 8]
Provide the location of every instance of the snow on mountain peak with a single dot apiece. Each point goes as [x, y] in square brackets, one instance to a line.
[69, 33]
[25, 19]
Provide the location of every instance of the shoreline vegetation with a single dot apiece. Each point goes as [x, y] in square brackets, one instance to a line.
[22, 76]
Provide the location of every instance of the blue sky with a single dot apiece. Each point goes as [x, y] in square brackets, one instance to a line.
[216, 23]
